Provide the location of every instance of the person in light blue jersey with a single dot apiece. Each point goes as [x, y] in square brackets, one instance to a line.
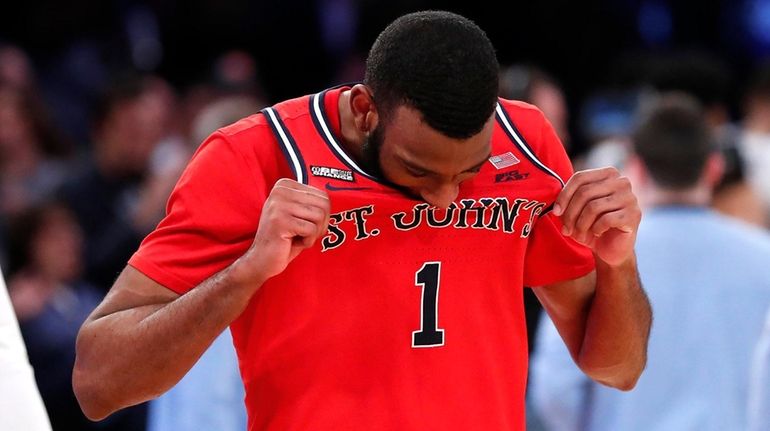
[708, 279]
[209, 397]
[759, 383]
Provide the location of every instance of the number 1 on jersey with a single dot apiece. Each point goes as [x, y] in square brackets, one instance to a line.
[429, 335]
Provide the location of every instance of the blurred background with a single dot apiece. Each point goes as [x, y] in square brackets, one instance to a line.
[76, 47]
[103, 102]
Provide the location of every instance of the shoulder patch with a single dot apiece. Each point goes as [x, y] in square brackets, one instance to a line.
[333, 173]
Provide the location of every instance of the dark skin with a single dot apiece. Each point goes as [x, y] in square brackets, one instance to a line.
[129, 350]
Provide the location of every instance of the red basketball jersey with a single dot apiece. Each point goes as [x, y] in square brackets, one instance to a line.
[403, 316]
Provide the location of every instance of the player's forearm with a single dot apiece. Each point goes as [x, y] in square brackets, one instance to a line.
[614, 348]
[130, 356]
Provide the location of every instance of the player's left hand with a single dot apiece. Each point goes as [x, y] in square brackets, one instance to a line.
[598, 208]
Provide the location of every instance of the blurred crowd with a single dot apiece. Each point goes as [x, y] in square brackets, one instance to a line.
[85, 173]
[74, 209]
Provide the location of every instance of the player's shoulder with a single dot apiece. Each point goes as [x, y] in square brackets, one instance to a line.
[530, 123]
[248, 140]
[525, 116]
[258, 125]
[245, 127]
[251, 139]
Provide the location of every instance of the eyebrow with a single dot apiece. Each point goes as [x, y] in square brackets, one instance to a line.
[428, 171]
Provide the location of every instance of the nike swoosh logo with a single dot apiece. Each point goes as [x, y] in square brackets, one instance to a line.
[334, 188]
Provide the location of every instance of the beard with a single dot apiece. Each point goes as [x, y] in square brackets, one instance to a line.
[370, 150]
[371, 163]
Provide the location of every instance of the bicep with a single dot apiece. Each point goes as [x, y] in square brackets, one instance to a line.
[567, 304]
[132, 290]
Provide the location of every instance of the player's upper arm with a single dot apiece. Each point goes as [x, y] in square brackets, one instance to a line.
[131, 290]
[567, 304]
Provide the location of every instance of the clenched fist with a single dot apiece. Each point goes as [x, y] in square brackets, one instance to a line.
[293, 217]
[598, 208]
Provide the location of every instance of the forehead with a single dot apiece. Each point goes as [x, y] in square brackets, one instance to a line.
[406, 135]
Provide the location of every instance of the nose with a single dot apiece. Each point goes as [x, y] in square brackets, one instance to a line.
[442, 195]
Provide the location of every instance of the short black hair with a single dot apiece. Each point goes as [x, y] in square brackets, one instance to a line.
[674, 141]
[439, 63]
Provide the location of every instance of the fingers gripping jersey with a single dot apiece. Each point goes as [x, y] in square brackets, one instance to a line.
[403, 316]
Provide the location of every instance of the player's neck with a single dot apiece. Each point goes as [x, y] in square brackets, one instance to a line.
[698, 196]
[352, 138]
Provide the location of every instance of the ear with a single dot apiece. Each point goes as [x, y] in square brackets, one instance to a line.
[363, 109]
[635, 170]
[714, 169]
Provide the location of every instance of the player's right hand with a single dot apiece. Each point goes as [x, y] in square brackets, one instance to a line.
[293, 217]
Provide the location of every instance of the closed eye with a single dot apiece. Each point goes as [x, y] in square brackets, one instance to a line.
[476, 169]
[415, 171]
[416, 174]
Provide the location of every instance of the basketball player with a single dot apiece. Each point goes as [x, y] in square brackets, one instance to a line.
[368, 245]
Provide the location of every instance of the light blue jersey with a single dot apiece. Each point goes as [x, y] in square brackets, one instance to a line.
[209, 397]
[708, 279]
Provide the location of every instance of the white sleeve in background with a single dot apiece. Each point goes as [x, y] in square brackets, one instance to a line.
[759, 383]
[21, 408]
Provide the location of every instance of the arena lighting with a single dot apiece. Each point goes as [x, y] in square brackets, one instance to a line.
[757, 19]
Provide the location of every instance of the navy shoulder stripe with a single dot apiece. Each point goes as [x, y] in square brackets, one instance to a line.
[288, 145]
[517, 138]
[322, 125]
